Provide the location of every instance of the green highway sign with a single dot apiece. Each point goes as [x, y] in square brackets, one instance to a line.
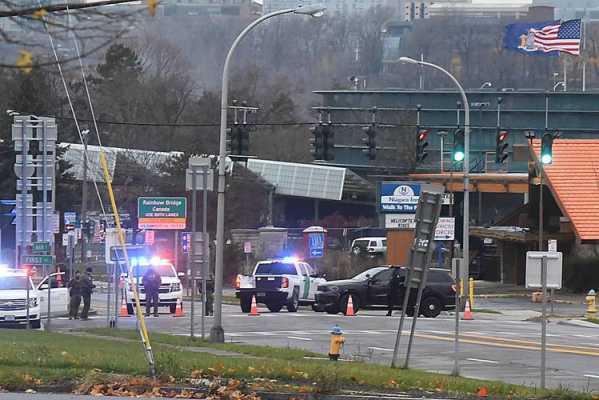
[40, 247]
[162, 212]
[38, 260]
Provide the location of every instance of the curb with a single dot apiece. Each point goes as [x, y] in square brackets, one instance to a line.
[578, 323]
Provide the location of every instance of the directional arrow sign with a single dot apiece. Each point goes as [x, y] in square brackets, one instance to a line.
[38, 260]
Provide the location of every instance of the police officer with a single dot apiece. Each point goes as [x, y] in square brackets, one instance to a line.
[151, 282]
[74, 285]
[393, 290]
[87, 288]
[209, 297]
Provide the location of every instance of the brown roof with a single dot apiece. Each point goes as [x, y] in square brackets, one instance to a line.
[573, 178]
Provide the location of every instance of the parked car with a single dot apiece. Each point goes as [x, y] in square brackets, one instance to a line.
[369, 290]
[371, 246]
[286, 282]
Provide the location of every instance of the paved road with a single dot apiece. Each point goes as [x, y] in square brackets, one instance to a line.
[499, 347]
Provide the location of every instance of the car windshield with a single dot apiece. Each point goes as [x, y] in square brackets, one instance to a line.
[275, 268]
[164, 270]
[370, 272]
[14, 283]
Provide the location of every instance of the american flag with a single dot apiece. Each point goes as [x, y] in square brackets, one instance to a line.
[563, 37]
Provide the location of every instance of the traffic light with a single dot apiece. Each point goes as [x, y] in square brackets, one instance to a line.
[458, 145]
[369, 141]
[421, 145]
[501, 146]
[322, 142]
[547, 148]
[317, 142]
[238, 140]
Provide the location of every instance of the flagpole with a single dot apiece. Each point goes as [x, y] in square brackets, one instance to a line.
[584, 60]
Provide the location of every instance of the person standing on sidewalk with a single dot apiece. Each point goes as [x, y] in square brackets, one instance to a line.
[151, 282]
[74, 286]
[393, 290]
[87, 288]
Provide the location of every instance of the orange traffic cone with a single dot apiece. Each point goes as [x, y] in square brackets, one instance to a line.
[179, 309]
[483, 392]
[467, 312]
[254, 309]
[350, 307]
[123, 312]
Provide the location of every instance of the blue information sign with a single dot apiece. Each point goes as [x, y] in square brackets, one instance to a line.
[399, 197]
[316, 244]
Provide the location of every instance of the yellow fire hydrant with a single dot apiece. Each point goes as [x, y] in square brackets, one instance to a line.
[337, 341]
[591, 301]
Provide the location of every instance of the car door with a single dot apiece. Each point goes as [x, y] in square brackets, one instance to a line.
[305, 281]
[314, 281]
[59, 297]
[378, 286]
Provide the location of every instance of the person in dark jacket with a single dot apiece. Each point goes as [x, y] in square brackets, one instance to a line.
[87, 288]
[74, 286]
[151, 282]
[209, 297]
[393, 290]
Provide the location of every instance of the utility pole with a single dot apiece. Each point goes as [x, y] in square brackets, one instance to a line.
[85, 135]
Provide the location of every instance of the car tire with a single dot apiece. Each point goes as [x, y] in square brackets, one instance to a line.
[343, 303]
[293, 303]
[316, 308]
[246, 304]
[173, 308]
[274, 307]
[130, 309]
[431, 307]
[35, 324]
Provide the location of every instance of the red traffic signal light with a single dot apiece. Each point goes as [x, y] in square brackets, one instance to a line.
[422, 135]
[502, 136]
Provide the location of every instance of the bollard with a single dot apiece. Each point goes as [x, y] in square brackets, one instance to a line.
[337, 341]
[471, 292]
[591, 301]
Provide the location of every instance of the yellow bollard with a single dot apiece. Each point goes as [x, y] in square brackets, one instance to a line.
[337, 341]
[471, 292]
[591, 301]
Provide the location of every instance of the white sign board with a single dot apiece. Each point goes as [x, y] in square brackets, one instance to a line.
[445, 227]
[111, 240]
[533, 269]
[247, 247]
[552, 245]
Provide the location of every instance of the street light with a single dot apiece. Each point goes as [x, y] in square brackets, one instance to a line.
[466, 223]
[217, 334]
[486, 85]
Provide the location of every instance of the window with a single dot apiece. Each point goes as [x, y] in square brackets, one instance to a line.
[373, 243]
[14, 283]
[303, 269]
[384, 276]
[276, 268]
[384, 243]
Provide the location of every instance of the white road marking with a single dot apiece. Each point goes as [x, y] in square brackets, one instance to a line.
[299, 338]
[483, 361]
[591, 344]
[380, 348]
[585, 336]
[591, 376]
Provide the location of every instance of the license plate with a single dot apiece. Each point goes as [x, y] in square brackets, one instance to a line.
[261, 294]
[9, 318]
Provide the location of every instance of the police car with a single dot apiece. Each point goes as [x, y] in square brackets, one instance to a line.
[171, 290]
[14, 284]
[278, 283]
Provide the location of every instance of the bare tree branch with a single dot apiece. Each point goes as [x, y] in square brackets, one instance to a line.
[60, 7]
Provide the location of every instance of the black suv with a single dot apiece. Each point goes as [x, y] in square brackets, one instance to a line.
[369, 290]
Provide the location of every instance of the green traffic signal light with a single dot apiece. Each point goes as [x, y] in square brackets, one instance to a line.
[458, 145]
[547, 148]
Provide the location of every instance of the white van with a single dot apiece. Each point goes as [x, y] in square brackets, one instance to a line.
[369, 246]
[171, 289]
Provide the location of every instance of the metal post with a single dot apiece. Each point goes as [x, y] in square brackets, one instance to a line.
[24, 151]
[176, 250]
[70, 249]
[206, 259]
[217, 333]
[543, 320]
[193, 251]
[84, 199]
[456, 341]
[541, 206]
[49, 289]
[416, 313]
[109, 277]
[441, 158]
[28, 295]
[44, 177]
[117, 289]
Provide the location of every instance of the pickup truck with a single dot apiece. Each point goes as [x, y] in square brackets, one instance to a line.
[278, 283]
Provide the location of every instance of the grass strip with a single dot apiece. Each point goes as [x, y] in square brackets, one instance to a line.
[31, 359]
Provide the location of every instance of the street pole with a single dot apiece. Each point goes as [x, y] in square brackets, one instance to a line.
[193, 250]
[544, 320]
[206, 257]
[49, 289]
[84, 134]
[217, 333]
[541, 227]
[28, 295]
[466, 221]
[456, 339]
